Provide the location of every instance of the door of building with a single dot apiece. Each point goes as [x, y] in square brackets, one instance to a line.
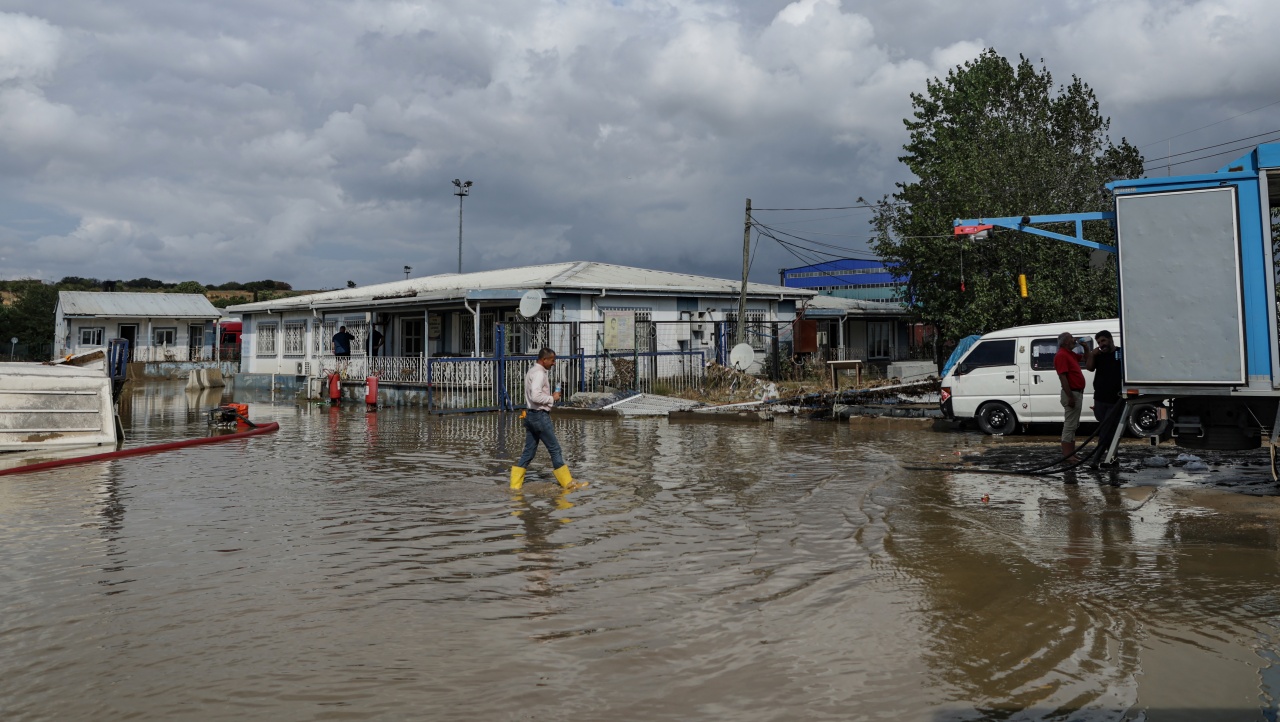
[129, 332]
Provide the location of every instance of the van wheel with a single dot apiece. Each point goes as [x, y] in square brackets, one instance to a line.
[995, 417]
[1144, 421]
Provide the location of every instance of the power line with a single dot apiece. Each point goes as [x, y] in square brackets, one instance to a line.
[1179, 135]
[1209, 147]
[758, 224]
[1214, 155]
[830, 208]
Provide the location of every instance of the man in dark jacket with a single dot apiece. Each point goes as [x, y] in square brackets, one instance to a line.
[1105, 361]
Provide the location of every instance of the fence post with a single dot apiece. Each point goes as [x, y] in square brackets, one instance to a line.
[431, 387]
[500, 352]
[777, 368]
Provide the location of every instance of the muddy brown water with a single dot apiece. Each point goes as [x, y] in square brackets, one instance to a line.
[362, 566]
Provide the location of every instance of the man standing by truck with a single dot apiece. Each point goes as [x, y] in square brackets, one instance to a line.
[1104, 361]
[1067, 367]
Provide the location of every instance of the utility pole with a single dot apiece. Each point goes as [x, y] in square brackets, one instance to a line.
[463, 190]
[746, 267]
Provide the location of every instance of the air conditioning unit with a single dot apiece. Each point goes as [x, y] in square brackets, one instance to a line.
[304, 368]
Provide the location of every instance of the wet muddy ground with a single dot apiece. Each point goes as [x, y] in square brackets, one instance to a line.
[374, 566]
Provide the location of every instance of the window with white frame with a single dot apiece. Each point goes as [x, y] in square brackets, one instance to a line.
[91, 336]
[295, 338]
[266, 339]
[164, 336]
[879, 339]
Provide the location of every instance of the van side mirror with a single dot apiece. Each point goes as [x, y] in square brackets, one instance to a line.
[962, 369]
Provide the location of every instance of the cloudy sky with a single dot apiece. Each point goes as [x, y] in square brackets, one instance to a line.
[315, 141]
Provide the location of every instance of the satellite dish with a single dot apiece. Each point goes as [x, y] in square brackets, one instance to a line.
[742, 356]
[530, 303]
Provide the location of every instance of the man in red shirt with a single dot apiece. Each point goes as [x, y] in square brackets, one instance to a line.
[1067, 366]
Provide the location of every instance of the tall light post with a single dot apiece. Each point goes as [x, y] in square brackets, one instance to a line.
[406, 272]
[464, 189]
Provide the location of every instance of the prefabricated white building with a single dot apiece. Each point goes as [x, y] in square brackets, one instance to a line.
[158, 326]
[450, 315]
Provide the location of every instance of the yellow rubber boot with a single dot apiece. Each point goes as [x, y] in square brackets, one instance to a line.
[517, 477]
[566, 479]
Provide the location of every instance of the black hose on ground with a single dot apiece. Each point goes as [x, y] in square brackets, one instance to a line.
[1047, 469]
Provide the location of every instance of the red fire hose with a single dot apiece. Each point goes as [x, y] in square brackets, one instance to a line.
[266, 428]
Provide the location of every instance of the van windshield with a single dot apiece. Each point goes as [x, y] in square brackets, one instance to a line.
[990, 353]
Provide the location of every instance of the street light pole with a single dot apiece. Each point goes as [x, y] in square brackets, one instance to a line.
[406, 272]
[464, 188]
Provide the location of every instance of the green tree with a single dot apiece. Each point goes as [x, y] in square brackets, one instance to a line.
[990, 140]
[30, 318]
[189, 287]
[145, 283]
[232, 301]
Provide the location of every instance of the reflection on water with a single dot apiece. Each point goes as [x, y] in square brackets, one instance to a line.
[374, 566]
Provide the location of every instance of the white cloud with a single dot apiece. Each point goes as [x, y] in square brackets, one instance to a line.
[30, 48]
[314, 141]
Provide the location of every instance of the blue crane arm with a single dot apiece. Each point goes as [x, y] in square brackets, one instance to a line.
[1024, 224]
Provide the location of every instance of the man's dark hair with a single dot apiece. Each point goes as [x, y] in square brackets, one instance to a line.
[342, 328]
[545, 352]
[1103, 332]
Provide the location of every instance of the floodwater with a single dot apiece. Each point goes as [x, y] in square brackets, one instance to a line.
[361, 566]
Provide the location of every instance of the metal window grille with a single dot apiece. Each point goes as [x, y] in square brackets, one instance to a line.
[295, 339]
[266, 340]
[322, 340]
[360, 330]
[754, 329]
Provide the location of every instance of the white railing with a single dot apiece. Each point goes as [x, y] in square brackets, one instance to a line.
[401, 369]
[170, 353]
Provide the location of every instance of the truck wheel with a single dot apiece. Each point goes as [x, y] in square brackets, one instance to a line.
[995, 417]
[1144, 421]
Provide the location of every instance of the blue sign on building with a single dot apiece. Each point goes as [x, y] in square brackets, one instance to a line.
[865, 280]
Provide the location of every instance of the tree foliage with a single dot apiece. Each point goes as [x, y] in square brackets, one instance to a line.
[31, 315]
[189, 287]
[991, 140]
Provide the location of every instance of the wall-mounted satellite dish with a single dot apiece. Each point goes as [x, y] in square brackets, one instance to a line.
[742, 356]
[530, 303]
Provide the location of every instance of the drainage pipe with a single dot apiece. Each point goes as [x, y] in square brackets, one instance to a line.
[139, 450]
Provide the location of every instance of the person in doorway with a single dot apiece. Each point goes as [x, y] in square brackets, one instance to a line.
[342, 342]
[1104, 361]
[1067, 367]
[539, 399]
[376, 343]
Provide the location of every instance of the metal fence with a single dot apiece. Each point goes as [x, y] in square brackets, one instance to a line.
[497, 382]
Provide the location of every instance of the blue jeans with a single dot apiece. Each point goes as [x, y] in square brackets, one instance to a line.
[537, 427]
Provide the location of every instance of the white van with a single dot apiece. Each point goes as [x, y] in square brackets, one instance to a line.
[1006, 380]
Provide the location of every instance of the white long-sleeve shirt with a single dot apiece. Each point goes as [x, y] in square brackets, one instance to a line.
[537, 389]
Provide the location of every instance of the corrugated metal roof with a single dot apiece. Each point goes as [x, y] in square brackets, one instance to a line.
[838, 305]
[149, 305]
[569, 276]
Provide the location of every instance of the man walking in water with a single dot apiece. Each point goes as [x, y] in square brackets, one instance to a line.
[537, 423]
